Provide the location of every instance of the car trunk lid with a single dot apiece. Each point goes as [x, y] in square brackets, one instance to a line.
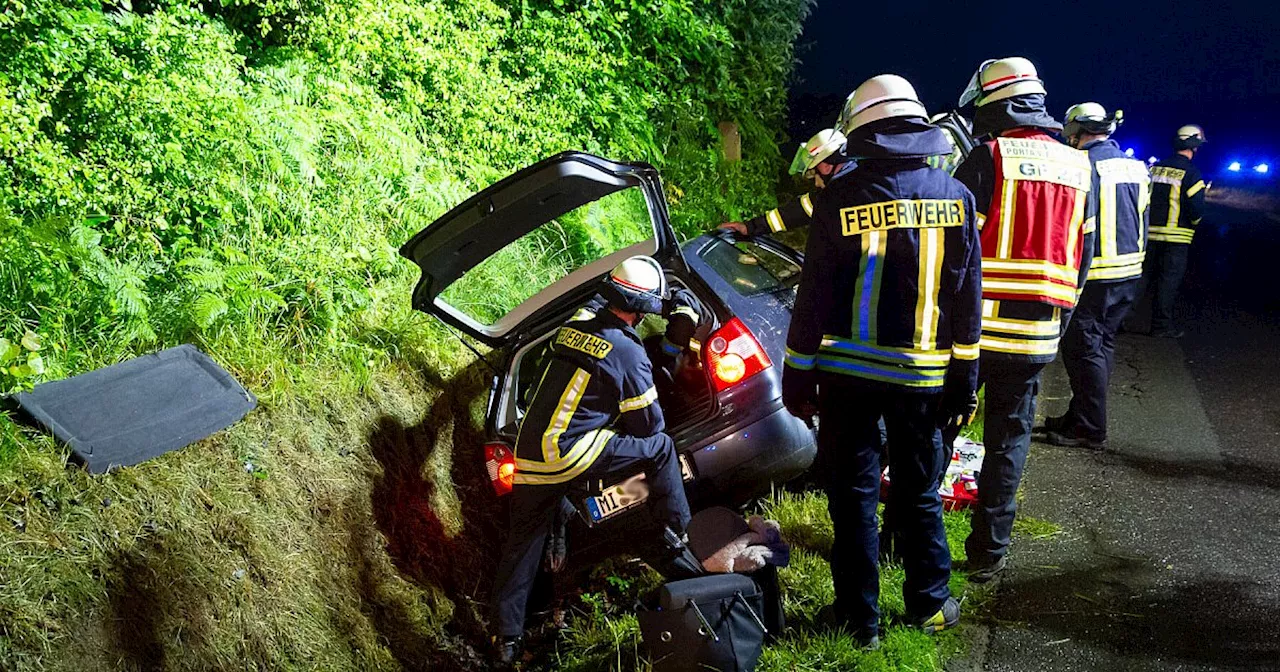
[493, 262]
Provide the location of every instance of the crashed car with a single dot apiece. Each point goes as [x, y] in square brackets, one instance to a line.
[512, 263]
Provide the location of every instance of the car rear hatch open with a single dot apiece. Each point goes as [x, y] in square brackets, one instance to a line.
[492, 263]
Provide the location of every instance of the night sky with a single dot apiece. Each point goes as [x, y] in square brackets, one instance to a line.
[1164, 64]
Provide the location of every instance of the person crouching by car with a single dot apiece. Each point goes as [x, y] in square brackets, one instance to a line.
[595, 413]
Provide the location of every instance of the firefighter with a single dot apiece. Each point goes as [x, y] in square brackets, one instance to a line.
[1177, 205]
[822, 160]
[1031, 193]
[595, 413]
[886, 323]
[1121, 190]
[959, 133]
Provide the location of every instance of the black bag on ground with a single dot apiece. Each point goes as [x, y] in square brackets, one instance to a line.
[710, 622]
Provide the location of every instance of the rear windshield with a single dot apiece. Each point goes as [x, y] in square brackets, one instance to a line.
[549, 253]
[750, 268]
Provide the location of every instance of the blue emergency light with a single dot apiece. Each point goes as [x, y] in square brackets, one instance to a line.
[1261, 168]
[1234, 167]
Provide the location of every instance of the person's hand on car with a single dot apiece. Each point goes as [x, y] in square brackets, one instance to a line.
[800, 394]
[957, 408]
[736, 227]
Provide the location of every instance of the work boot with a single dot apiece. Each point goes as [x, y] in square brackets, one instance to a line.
[985, 573]
[946, 617]
[508, 650]
[1058, 424]
[1074, 441]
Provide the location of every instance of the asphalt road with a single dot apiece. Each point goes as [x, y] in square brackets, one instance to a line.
[1168, 555]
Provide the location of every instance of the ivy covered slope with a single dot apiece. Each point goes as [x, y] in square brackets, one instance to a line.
[238, 174]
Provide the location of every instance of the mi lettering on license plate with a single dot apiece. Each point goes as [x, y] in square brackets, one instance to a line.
[622, 496]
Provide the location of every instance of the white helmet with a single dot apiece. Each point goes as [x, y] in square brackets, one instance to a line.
[822, 145]
[881, 97]
[1189, 137]
[637, 285]
[1090, 118]
[1002, 78]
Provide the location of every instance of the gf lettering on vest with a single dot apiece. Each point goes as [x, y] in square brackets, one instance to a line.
[901, 214]
[1040, 161]
[583, 342]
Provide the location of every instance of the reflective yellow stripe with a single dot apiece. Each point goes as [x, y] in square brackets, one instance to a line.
[866, 291]
[564, 413]
[964, 352]
[1029, 287]
[1116, 272]
[1107, 218]
[1024, 327]
[1075, 229]
[583, 314]
[982, 220]
[1032, 267]
[930, 281]
[990, 309]
[1175, 204]
[1195, 188]
[1004, 249]
[638, 402]
[1019, 347]
[807, 204]
[1171, 234]
[887, 353]
[585, 451]
[775, 221]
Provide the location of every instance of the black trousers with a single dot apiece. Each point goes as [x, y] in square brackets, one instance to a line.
[534, 508]
[849, 466]
[1163, 270]
[1088, 352]
[1010, 403]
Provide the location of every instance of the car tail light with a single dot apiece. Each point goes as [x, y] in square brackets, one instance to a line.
[734, 355]
[500, 462]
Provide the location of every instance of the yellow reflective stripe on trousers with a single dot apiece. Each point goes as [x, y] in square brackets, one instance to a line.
[775, 221]
[565, 409]
[930, 282]
[639, 401]
[586, 450]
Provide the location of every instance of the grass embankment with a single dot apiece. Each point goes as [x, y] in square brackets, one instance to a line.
[238, 175]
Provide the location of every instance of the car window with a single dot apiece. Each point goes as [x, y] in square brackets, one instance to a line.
[750, 268]
[547, 254]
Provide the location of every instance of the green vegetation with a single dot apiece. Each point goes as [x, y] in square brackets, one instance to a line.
[238, 174]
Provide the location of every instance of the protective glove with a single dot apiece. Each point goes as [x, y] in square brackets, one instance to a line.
[683, 312]
[957, 409]
[800, 393]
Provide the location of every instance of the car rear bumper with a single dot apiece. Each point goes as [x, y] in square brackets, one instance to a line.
[745, 463]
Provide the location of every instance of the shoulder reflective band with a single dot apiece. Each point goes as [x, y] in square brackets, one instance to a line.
[807, 204]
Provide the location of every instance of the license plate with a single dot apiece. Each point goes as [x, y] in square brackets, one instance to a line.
[622, 496]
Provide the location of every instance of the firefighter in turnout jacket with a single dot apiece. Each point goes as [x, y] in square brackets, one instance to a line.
[1032, 204]
[1121, 189]
[1177, 204]
[595, 413]
[822, 160]
[886, 323]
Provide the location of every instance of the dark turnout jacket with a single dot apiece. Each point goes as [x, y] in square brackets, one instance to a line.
[1177, 200]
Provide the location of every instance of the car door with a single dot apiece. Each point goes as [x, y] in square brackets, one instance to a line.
[494, 263]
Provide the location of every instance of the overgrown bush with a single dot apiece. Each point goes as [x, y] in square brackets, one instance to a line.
[239, 174]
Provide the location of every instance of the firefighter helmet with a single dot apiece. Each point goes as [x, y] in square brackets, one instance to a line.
[881, 97]
[998, 79]
[819, 148]
[1189, 137]
[1090, 118]
[637, 285]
